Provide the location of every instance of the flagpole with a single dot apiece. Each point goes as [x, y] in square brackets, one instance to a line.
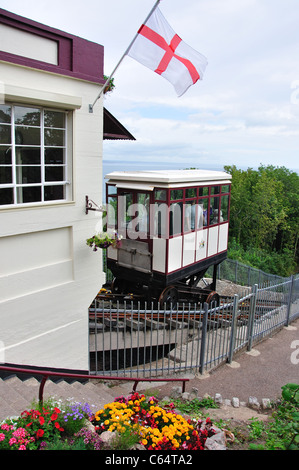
[91, 106]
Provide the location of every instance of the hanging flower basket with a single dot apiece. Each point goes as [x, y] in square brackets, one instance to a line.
[104, 240]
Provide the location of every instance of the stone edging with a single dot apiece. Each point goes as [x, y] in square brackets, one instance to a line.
[252, 402]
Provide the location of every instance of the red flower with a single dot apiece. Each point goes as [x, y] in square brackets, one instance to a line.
[54, 416]
[41, 420]
[39, 433]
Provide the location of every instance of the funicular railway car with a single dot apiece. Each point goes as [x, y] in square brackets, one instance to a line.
[174, 226]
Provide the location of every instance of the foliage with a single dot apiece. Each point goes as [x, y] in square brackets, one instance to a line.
[158, 428]
[282, 430]
[264, 218]
[74, 417]
[194, 406]
[110, 87]
[104, 240]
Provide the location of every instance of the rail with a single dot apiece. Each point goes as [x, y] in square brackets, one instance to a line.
[46, 374]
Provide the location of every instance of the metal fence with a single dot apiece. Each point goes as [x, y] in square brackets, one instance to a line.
[126, 340]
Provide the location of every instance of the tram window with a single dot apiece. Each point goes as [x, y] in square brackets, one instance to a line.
[159, 219]
[191, 192]
[224, 208]
[175, 219]
[125, 200]
[160, 195]
[203, 191]
[143, 210]
[225, 188]
[214, 210]
[203, 214]
[215, 189]
[190, 216]
[111, 190]
[112, 211]
[176, 194]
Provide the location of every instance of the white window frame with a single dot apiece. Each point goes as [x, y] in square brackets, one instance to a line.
[67, 165]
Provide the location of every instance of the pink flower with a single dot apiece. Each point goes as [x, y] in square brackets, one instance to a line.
[12, 441]
[19, 433]
[2, 437]
[22, 447]
[6, 427]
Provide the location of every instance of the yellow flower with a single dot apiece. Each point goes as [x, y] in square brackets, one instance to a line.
[144, 442]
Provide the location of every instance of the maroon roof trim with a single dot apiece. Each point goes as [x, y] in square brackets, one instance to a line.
[77, 57]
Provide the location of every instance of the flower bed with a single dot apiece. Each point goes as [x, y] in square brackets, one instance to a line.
[75, 426]
[158, 428]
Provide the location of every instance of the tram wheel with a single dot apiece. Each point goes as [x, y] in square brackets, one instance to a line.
[169, 296]
[118, 286]
[213, 298]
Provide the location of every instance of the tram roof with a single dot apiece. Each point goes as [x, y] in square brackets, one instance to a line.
[147, 180]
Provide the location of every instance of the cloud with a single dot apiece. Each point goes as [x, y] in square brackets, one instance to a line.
[241, 113]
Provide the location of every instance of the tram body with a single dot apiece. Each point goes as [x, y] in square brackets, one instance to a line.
[173, 224]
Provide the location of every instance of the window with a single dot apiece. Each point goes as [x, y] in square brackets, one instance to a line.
[33, 155]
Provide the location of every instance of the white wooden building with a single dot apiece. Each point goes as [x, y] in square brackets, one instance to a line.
[50, 159]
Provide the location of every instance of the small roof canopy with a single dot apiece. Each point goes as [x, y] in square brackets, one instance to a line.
[148, 180]
[113, 129]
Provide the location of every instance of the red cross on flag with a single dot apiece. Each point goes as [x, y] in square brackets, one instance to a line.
[159, 48]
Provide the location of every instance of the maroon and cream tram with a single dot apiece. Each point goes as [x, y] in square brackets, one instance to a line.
[174, 226]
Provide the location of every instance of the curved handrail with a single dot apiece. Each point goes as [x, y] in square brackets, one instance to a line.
[45, 374]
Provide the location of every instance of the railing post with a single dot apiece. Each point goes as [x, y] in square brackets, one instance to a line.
[41, 389]
[203, 339]
[233, 330]
[251, 317]
[289, 301]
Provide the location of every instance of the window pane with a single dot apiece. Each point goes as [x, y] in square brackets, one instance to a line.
[54, 138]
[125, 200]
[203, 212]
[160, 195]
[112, 211]
[215, 189]
[54, 173]
[54, 193]
[191, 192]
[27, 135]
[26, 195]
[54, 156]
[28, 174]
[5, 155]
[214, 210]
[176, 194]
[224, 208]
[203, 191]
[5, 134]
[111, 189]
[27, 116]
[175, 223]
[143, 211]
[28, 156]
[54, 119]
[5, 174]
[6, 196]
[161, 215]
[225, 188]
[5, 113]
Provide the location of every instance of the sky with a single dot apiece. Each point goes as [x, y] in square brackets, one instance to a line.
[245, 111]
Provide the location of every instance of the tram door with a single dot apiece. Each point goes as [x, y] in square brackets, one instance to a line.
[134, 227]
